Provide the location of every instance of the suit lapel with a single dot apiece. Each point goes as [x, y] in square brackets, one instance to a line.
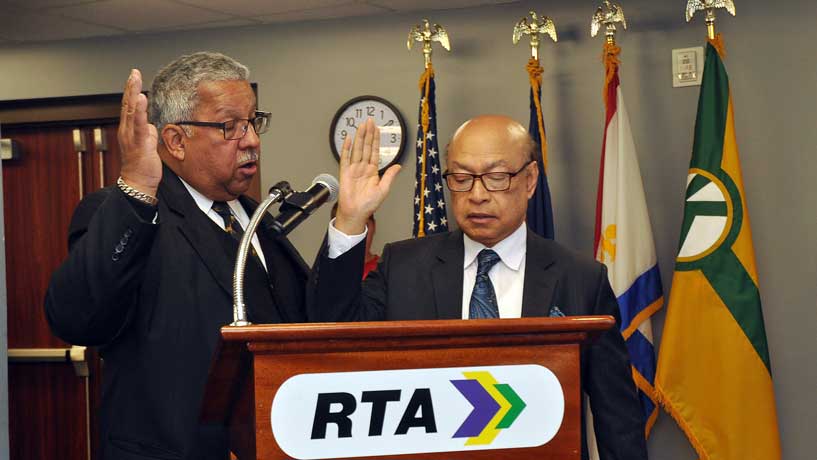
[197, 229]
[540, 282]
[446, 276]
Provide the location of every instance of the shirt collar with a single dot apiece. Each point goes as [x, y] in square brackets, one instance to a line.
[511, 250]
[204, 203]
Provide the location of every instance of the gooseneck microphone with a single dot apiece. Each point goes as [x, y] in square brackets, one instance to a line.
[280, 190]
[296, 207]
[299, 205]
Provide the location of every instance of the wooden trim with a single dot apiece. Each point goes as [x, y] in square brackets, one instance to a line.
[61, 110]
[69, 110]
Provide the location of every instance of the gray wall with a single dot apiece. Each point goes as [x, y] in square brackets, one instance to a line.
[305, 71]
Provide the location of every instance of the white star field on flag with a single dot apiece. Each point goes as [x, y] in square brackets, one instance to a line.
[429, 196]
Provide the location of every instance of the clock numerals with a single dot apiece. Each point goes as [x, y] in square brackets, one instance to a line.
[355, 112]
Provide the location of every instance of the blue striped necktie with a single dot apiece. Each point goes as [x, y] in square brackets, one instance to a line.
[483, 299]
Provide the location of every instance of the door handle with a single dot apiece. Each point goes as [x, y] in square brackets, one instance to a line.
[101, 146]
[75, 355]
[81, 147]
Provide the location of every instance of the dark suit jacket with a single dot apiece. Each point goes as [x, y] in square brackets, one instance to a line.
[422, 279]
[153, 297]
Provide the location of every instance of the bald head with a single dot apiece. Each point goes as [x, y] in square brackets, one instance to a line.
[481, 146]
[507, 133]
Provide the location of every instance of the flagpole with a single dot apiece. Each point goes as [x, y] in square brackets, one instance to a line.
[614, 240]
[426, 33]
[540, 212]
[538, 25]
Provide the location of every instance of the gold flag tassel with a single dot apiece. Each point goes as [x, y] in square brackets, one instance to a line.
[718, 44]
[611, 64]
[535, 76]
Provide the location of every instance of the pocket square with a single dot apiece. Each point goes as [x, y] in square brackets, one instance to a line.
[555, 312]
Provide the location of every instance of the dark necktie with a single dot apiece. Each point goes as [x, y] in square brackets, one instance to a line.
[483, 298]
[231, 224]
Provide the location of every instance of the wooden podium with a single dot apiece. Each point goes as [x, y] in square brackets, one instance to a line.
[254, 361]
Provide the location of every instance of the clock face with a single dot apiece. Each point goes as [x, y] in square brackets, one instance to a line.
[355, 112]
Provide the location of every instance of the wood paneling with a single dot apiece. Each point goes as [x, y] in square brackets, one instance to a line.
[51, 408]
[47, 412]
[41, 190]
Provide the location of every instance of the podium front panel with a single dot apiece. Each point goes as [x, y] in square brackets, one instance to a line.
[272, 370]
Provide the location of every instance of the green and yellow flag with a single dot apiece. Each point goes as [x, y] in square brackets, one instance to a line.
[714, 374]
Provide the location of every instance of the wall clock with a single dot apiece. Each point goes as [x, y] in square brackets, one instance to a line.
[355, 112]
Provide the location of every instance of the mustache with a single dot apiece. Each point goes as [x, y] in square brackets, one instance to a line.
[249, 155]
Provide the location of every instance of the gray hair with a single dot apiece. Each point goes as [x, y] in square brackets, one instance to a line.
[174, 96]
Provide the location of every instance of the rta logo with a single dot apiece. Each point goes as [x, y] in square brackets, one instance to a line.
[416, 411]
[419, 412]
[495, 406]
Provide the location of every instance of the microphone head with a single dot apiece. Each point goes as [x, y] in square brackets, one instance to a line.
[328, 181]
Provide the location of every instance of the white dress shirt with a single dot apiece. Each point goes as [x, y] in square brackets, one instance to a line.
[507, 276]
[206, 206]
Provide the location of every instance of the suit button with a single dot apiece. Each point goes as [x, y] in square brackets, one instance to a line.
[115, 257]
[129, 232]
[119, 248]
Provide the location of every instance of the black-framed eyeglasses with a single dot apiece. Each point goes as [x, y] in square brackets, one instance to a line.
[238, 127]
[492, 181]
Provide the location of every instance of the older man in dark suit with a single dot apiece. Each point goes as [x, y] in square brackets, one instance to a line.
[492, 267]
[149, 275]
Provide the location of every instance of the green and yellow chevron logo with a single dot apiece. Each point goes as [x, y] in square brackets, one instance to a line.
[496, 407]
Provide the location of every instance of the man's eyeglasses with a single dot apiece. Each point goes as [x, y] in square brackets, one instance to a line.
[238, 127]
[492, 181]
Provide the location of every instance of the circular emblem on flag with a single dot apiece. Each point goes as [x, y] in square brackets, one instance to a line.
[708, 216]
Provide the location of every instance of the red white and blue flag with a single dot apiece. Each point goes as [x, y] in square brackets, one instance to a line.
[624, 241]
[429, 195]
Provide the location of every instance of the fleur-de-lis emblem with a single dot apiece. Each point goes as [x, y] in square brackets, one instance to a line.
[608, 244]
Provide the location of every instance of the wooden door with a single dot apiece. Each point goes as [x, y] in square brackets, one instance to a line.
[53, 386]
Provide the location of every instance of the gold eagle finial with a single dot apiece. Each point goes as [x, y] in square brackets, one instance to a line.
[608, 15]
[534, 28]
[427, 34]
[709, 6]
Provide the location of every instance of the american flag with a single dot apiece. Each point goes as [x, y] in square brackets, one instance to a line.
[429, 194]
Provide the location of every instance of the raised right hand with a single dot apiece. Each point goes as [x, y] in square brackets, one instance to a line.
[362, 190]
[138, 139]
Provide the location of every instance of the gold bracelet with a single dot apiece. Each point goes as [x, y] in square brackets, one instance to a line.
[133, 193]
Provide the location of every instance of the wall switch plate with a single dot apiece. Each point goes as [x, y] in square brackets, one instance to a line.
[9, 149]
[687, 66]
